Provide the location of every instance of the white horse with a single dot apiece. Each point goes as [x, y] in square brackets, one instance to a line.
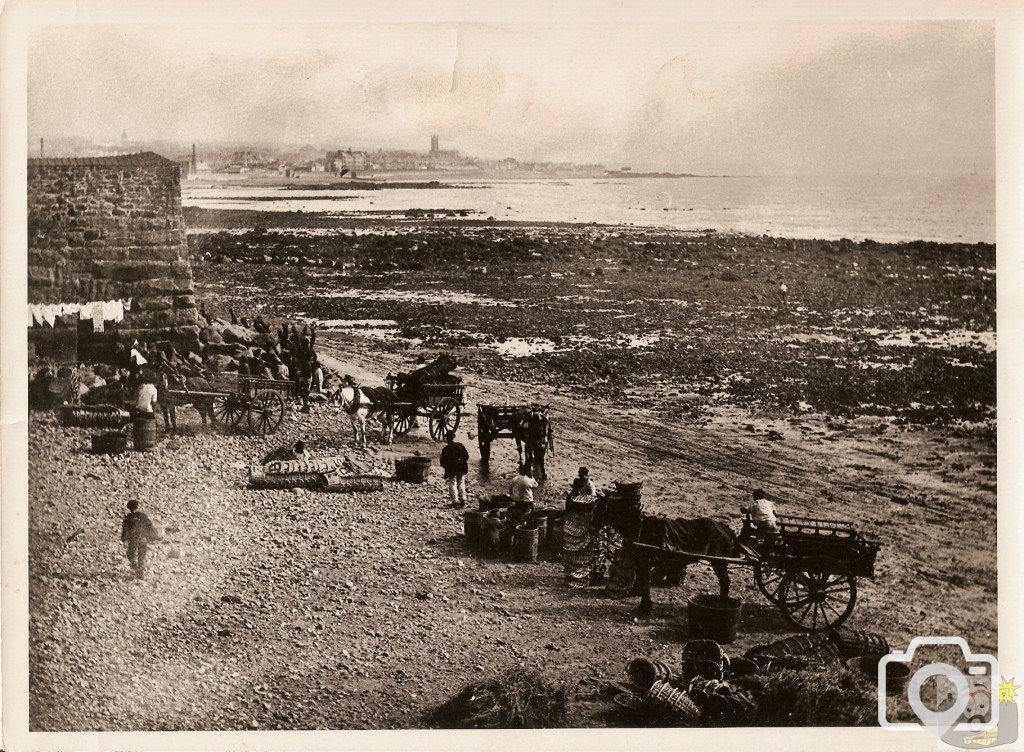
[360, 409]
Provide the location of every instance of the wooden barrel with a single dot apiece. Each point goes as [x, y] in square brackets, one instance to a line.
[539, 519]
[525, 546]
[144, 433]
[472, 521]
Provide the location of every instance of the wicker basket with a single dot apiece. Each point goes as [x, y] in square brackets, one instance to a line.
[816, 648]
[412, 469]
[672, 704]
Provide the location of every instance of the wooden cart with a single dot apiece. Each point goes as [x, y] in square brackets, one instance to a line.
[809, 569]
[441, 404]
[243, 402]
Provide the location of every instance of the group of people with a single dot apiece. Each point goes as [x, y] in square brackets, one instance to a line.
[455, 464]
[297, 347]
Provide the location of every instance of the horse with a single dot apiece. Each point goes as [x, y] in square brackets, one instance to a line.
[701, 536]
[179, 382]
[360, 408]
[531, 428]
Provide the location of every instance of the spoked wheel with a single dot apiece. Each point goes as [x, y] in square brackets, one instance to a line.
[815, 596]
[769, 580]
[444, 417]
[227, 410]
[403, 418]
[266, 411]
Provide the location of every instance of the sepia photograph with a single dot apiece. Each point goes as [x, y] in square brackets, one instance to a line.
[432, 367]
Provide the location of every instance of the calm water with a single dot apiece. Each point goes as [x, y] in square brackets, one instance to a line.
[889, 208]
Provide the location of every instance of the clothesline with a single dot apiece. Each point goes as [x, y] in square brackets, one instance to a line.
[97, 311]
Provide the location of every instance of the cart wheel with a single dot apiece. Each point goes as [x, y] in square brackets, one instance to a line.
[403, 419]
[228, 410]
[266, 411]
[815, 596]
[444, 417]
[769, 580]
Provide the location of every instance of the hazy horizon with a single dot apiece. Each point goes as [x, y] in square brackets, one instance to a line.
[758, 98]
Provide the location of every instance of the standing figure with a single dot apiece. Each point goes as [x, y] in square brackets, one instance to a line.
[455, 463]
[146, 396]
[303, 380]
[521, 489]
[137, 531]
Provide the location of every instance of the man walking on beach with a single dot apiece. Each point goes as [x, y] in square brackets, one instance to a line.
[455, 463]
[138, 532]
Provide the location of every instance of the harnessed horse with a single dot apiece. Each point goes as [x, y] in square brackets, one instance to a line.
[360, 408]
[531, 428]
[169, 404]
[697, 536]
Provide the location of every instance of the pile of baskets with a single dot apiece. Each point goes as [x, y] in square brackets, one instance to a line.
[699, 693]
[323, 474]
[579, 550]
[93, 417]
[811, 649]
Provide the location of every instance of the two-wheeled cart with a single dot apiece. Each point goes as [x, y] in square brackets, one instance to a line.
[242, 402]
[809, 568]
[440, 403]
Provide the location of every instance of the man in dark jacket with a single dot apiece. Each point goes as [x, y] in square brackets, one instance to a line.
[138, 532]
[455, 463]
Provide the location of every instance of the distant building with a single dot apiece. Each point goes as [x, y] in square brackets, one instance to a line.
[347, 160]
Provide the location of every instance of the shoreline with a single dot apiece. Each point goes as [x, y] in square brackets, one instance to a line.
[200, 219]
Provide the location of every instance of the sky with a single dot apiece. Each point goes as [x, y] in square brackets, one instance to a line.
[707, 97]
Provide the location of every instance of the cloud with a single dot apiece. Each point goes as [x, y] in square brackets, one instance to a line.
[710, 97]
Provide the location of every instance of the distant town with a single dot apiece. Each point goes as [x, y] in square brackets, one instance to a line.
[220, 163]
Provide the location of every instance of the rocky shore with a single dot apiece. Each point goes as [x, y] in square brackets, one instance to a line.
[903, 332]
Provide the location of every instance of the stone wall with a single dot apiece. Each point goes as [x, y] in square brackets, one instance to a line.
[108, 228]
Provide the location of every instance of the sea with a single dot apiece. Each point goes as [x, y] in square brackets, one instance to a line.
[890, 208]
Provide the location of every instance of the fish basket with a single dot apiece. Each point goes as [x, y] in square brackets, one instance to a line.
[350, 483]
[93, 417]
[109, 443]
[813, 648]
[412, 469]
[672, 704]
[854, 642]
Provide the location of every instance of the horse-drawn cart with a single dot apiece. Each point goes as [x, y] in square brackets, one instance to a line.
[809, 569]
[233, 400]
[529, 425]
[440, 403]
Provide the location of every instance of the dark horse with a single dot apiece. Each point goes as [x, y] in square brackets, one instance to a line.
[531, 428]
[169, 404]
[701, 536]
